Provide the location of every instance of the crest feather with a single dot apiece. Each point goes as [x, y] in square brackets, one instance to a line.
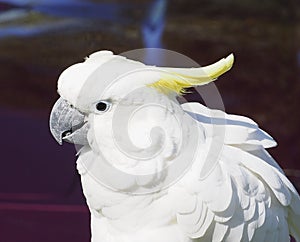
[179, 79]
[168, 85]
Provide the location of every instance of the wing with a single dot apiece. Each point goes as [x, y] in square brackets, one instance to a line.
[240, 131]
[245, 197]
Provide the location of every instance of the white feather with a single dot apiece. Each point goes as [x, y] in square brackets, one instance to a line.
[236, 194]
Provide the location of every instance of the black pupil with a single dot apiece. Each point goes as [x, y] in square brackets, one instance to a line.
[101, 106]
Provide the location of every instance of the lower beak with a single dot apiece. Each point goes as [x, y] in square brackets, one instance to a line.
[67, 124]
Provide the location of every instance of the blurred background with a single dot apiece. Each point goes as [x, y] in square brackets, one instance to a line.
[40, 192]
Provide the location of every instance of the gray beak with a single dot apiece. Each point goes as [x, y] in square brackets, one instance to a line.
[68, 124]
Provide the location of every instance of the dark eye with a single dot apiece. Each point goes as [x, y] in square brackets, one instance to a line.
[103, 106]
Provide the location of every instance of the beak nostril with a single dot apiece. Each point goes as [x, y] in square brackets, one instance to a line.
[66, 133]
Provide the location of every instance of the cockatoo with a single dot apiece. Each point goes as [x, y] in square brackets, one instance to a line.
[153, 169]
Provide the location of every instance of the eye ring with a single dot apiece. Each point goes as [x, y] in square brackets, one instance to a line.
[103, 106]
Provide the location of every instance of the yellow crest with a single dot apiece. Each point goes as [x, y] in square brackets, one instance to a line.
[178, 79]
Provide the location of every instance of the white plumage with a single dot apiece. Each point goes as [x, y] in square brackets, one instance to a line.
[241, 195]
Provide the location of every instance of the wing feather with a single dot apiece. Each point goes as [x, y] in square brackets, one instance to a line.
[241, 131]
[219, 232]
[220, 183]
[246, 196]
[191, 218]
[206, 223]
[261, 214]
[235, 233]
[264, 171]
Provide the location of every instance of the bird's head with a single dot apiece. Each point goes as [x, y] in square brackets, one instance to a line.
[126, 110]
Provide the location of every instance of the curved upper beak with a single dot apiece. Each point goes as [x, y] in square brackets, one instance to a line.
[67, 123]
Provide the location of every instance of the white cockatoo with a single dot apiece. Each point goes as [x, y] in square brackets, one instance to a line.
[153, 169]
